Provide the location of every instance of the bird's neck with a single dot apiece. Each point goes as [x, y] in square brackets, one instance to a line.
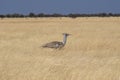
[64, 39]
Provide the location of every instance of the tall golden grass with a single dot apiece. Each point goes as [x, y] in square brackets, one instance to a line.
[92, 51]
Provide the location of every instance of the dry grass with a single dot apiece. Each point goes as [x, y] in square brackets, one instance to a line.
[91, 53]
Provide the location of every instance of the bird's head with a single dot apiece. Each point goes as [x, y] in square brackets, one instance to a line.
[66, 34]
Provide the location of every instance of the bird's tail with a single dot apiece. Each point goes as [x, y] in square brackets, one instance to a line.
[43, 46]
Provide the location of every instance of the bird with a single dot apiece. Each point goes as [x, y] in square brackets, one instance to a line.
[57, 44]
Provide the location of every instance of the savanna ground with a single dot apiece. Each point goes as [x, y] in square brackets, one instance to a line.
[92, 51]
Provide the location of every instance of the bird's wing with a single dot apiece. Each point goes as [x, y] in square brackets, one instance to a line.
[53, 44]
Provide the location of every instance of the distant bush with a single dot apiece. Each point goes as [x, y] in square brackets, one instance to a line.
[32, 15]
[2, 16]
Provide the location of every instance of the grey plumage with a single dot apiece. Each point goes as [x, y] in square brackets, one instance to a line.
[57, 44]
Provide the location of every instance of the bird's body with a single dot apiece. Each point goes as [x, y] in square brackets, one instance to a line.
[57, 44]
[54, 44]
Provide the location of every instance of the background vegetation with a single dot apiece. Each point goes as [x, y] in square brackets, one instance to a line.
[16, 15]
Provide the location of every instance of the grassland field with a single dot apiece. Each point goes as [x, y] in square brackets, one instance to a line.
[92, 52]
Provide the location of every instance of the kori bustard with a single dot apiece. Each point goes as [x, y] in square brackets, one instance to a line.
[57, 44]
